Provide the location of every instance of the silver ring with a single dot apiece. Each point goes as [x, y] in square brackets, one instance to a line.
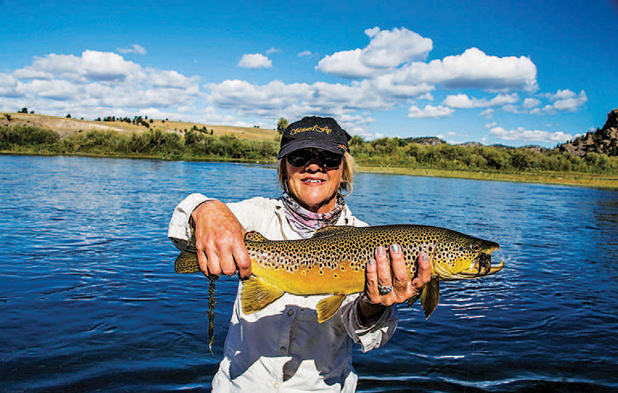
[384, 290]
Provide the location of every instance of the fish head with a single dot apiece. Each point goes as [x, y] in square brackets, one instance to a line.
[464, 257]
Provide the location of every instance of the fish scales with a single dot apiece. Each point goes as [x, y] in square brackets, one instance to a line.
[333, 262]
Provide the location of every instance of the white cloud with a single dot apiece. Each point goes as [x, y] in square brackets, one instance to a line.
[9, 86]
[531, 102]
[430, 111]
[256, 60]
[473, 69]
[459, 101]
[386, 50]
[391, 48]
[566, 100]
[462, 101]
[346, 64]
[92, 65]
[487, 113]
[134, 49]
[306, 53]
[272, 50]
[277, 97]
[56, 89]
[171, 79]
[96, 83]
[563, 100]
[521, 134]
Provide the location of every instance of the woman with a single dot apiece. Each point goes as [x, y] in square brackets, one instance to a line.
[283, 347]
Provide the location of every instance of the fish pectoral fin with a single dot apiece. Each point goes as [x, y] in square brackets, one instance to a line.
[256, 294]
[186, 262]
[430, 297]
[413, 300]
[328, 307]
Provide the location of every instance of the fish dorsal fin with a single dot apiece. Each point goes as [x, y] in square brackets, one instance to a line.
[255, 237]
[430, 296]
[256, 294]
[327, 307]
[331, 231]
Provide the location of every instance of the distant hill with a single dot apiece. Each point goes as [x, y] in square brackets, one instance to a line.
[66, 126]
[602, 141]
[425, 140]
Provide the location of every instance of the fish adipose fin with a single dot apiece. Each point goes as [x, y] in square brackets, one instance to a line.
[430, 296]
[256, 294]
[328, 307]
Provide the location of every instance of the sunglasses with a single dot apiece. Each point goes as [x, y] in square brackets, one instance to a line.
[326, 159]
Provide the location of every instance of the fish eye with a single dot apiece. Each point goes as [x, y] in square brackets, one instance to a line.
[475, 247]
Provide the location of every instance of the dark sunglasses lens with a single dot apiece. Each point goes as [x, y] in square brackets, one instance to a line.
[299, 158]
[326, 159]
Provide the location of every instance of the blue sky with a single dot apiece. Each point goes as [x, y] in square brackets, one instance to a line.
[510, 72]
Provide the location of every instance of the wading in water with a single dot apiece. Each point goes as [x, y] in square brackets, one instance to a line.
[283, 346]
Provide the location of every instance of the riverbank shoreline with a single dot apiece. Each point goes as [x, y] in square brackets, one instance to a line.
[576, 179]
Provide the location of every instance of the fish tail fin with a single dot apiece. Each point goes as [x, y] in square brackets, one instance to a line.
[430, 297]
[186, 262]
[328, 307]
[256, 294]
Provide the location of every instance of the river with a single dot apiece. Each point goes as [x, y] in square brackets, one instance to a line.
[89, 301]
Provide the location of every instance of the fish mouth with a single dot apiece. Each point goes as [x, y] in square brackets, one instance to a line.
[482, 267]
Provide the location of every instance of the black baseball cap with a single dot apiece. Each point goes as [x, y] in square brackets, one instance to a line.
[317, 132]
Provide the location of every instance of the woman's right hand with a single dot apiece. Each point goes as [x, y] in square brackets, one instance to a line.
[219, 240]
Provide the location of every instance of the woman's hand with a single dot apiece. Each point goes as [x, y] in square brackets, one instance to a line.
[392, 279]
[219, 239]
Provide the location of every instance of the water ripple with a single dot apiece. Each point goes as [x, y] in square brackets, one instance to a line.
[89, 300]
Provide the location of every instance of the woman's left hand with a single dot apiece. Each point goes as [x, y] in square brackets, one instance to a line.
[388, 283]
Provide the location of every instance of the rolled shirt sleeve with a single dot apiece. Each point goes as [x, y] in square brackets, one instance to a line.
[179, 229]
[369, 337]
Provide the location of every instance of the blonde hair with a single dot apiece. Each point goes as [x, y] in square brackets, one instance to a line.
[349, 167]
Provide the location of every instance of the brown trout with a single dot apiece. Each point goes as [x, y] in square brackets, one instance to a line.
[332, 262]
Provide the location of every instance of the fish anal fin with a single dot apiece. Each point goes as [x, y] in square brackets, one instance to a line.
[186, 262]
[327, 307]
[256, 294]
[430, 296]
[331, 230]
[255, 237]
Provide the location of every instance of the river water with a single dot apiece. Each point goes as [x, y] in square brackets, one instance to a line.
[89, 301]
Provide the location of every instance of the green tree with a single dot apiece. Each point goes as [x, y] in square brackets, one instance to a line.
[282, 124]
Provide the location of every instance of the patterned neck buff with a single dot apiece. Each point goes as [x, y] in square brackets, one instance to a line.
[305, 222]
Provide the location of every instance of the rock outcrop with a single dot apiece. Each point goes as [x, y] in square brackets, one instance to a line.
[602, 141]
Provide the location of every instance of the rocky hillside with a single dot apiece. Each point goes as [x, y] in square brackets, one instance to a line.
[602, 141]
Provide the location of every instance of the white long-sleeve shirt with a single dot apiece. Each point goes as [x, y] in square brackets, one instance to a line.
[283, 348]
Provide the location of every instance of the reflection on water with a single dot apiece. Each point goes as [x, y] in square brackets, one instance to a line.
[89, 300]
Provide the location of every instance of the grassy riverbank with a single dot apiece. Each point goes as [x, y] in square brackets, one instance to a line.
[253, 145]
[556, 178]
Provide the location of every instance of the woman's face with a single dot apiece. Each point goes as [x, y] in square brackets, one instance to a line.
[313, 185]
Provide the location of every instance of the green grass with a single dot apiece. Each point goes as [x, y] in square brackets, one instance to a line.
[387, 155]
